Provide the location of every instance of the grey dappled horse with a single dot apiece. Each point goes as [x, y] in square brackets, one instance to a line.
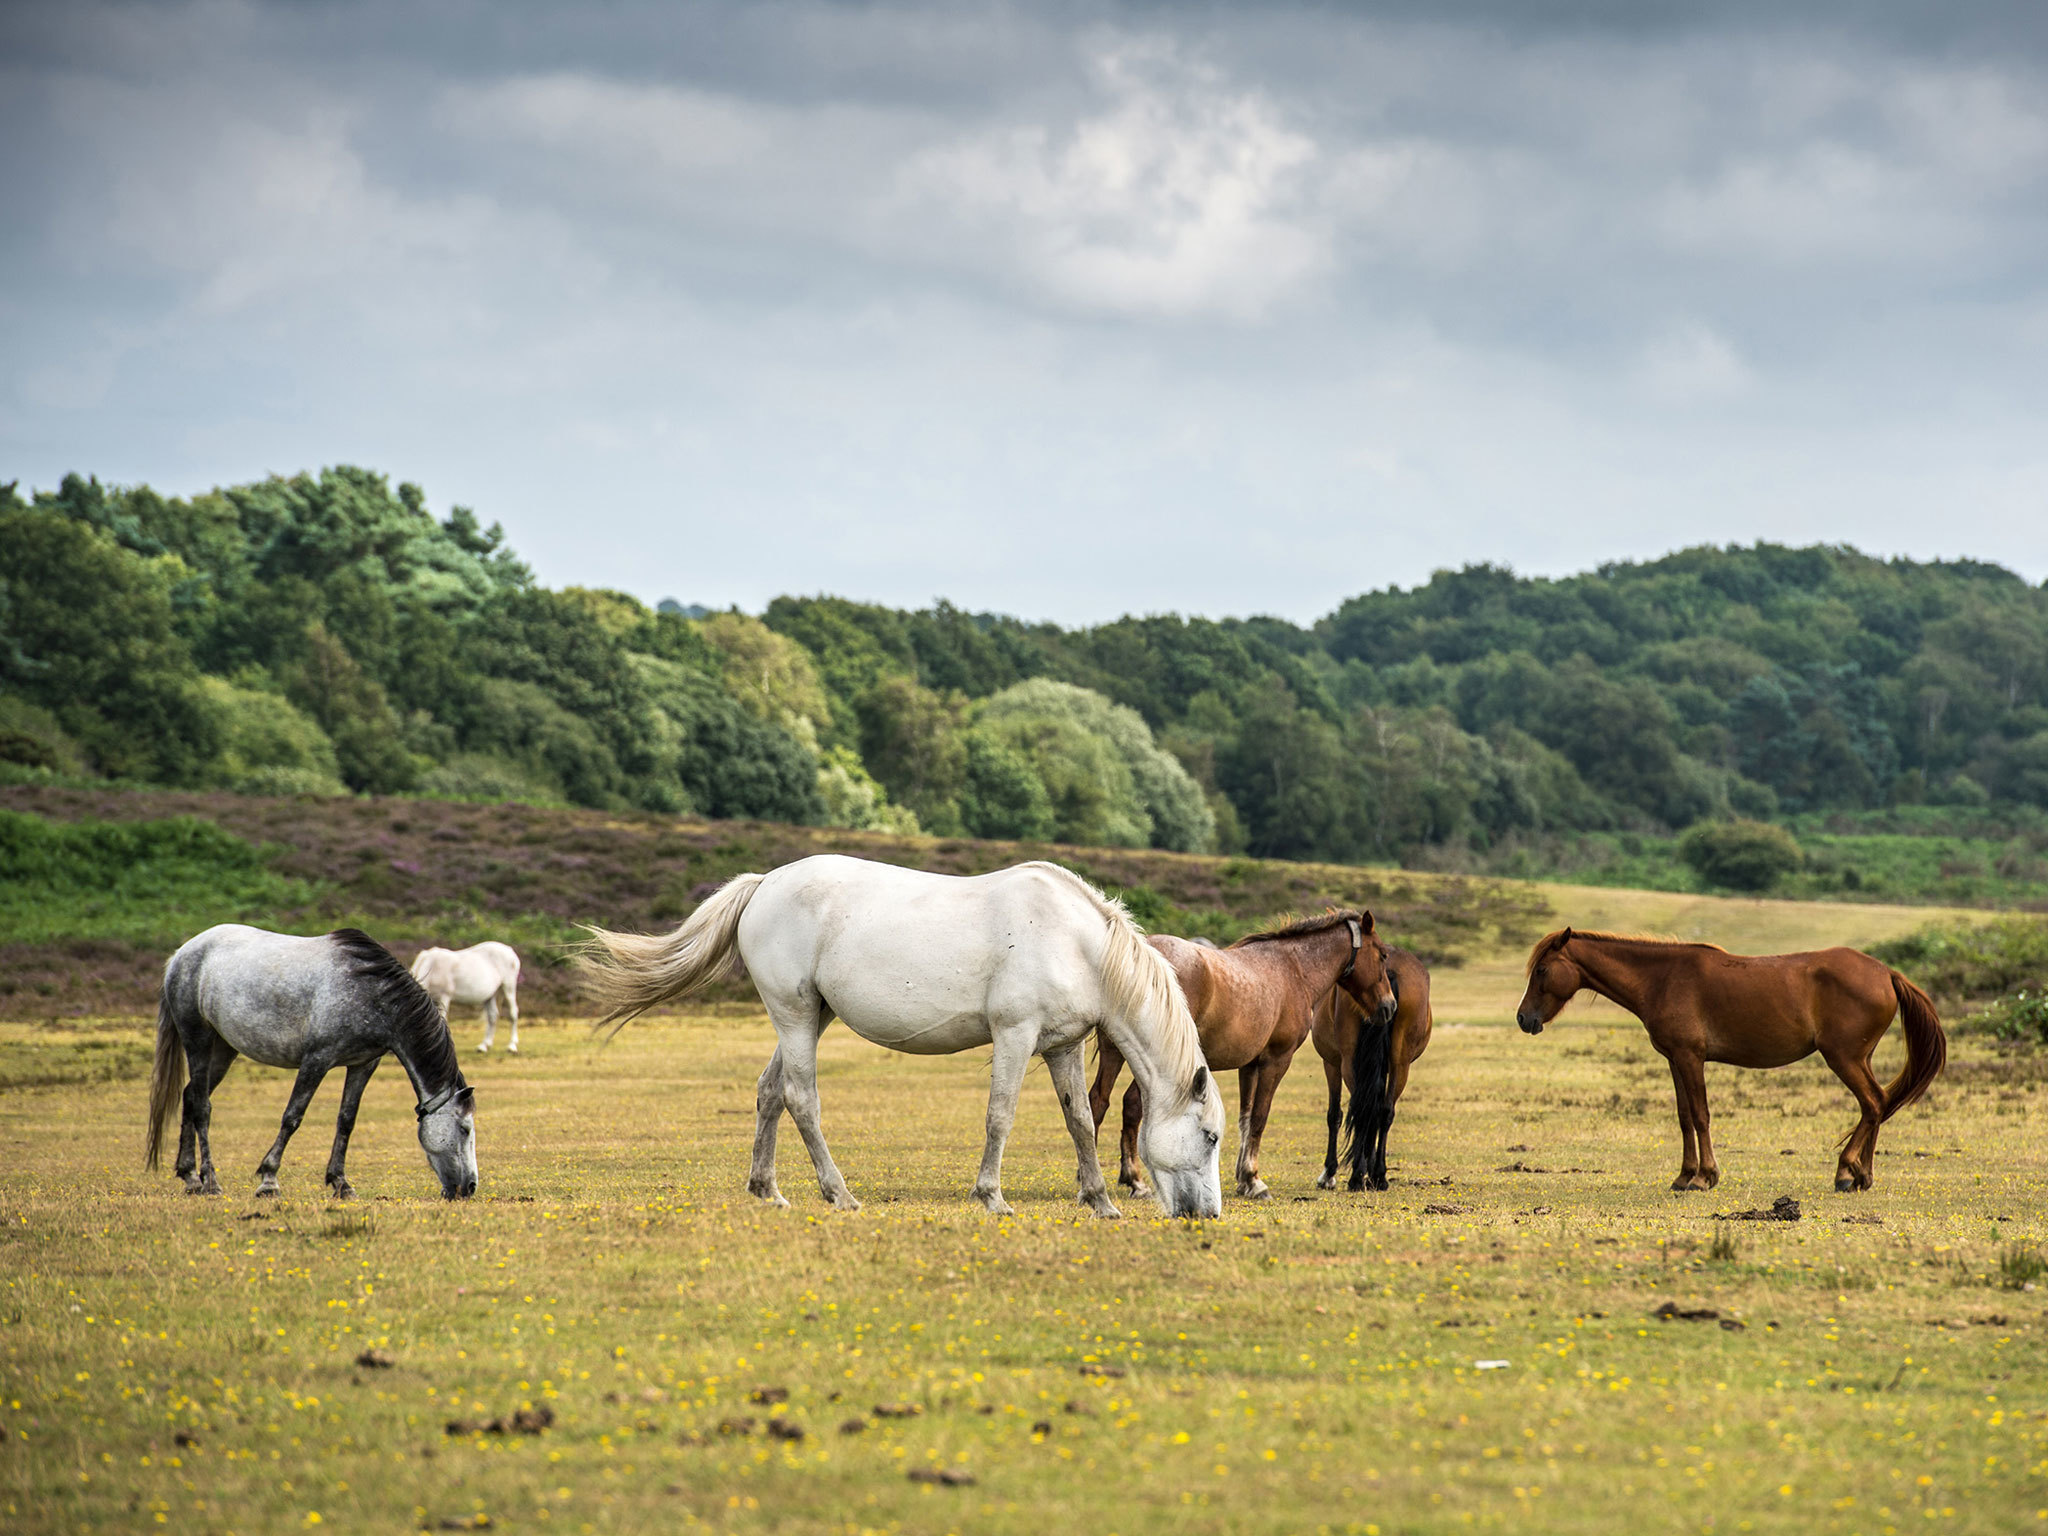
[336, 1000]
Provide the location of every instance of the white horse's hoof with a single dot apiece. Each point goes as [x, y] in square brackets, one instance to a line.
[1104, 1208]
[513, 1049]
[483, 1050]
[848, 1203]
[770, 1196]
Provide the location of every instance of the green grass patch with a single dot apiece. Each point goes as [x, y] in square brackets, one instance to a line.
[139, 881]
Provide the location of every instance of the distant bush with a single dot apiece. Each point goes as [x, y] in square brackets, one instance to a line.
[267, 745]
[853, 799]
[1741, 855]
[1971, 962]
[482, 776]
[31, 736]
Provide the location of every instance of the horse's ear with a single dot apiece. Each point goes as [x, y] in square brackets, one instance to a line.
[1565, 937]
[1365, 922]
[466, 1097]
[1199, 1084]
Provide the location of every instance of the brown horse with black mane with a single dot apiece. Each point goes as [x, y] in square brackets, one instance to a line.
[1371, 1057]
[1253, 1005]
[1702, 1004]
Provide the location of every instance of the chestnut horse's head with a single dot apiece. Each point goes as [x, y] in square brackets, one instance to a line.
[1553, 978]
[1366, 979]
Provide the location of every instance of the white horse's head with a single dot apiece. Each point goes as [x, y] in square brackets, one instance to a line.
[1182, 1149]
[448, 1135]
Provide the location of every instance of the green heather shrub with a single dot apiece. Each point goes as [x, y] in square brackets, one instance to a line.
[1741, 855]
[150, 881]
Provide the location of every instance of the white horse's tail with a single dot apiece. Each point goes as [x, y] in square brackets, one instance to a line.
[1143, 994]
[629, 973]
[419, 965]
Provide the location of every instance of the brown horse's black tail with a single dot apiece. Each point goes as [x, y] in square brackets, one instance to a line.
[167, 1079]
[1372, 1059]
[1926, 1047]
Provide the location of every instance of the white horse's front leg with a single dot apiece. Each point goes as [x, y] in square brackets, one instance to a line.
[767, 1115]
[799, 1052]
[1005, 1082]
[1070, 1082]
[490, 1023]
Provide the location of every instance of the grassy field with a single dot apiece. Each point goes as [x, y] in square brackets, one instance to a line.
[1307, 1364]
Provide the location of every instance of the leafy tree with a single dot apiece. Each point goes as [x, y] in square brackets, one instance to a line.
[1003, 796]
[91, 638]
[910, 738]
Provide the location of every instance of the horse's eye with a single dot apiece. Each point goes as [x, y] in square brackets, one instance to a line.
[1213, 1137]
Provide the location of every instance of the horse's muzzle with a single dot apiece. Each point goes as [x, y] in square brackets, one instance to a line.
[1384, 1014]
[460, 1191]
[1531, 1024]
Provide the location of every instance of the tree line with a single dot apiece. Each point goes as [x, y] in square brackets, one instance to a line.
[326, 634]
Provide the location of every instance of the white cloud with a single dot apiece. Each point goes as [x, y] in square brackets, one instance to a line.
[1177, 194]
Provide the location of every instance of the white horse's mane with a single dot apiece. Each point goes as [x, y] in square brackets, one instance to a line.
[1140, 985]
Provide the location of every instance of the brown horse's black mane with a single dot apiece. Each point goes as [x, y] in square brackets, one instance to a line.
[1298, 928]
[1551, 941]
[404, 1003]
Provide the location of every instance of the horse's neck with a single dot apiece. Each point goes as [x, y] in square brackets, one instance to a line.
[422, 1068]
[1146, 1061]
[1305, 955]
[1612, 975]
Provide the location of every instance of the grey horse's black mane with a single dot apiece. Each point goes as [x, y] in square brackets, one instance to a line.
[404, 1003]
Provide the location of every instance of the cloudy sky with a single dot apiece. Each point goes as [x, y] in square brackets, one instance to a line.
[1065, 310]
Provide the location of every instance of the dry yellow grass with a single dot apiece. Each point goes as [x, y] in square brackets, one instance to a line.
[1302, 1365]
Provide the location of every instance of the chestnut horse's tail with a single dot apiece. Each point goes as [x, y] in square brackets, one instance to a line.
[167, 1078]
[1926, 1047]
[1372, 1059]
[632, 972]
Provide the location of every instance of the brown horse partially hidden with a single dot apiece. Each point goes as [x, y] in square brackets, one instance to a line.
[1372, 1058]
[1702, 1004]
[1253, 1004]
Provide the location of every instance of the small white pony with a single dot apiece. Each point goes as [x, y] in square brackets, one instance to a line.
[486, 973]
[1032, 960]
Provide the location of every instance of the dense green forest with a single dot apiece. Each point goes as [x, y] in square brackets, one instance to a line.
[326, 634]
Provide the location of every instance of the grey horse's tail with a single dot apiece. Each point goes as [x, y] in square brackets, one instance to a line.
[629, 973]
[167, 1078]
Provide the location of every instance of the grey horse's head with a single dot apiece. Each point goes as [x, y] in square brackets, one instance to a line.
[1182, 1150]
[448, 1135]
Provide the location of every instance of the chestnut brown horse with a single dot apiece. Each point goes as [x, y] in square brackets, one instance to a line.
[1702, 1004]
[1372, 1059]
[1253, 1004]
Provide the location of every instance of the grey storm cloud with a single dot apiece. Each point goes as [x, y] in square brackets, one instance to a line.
[1061, 310]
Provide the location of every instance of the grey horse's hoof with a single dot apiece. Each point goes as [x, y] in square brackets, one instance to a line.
[340, 1189]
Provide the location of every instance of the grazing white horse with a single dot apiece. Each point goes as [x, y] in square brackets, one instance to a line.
[486, 973]
[1032, 960]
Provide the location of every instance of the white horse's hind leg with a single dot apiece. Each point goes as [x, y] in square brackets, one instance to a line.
[490, 1022]
[510, 993]
[1005, 1082]
[799, 1052]
[1070, 1082]
[767, 1115]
